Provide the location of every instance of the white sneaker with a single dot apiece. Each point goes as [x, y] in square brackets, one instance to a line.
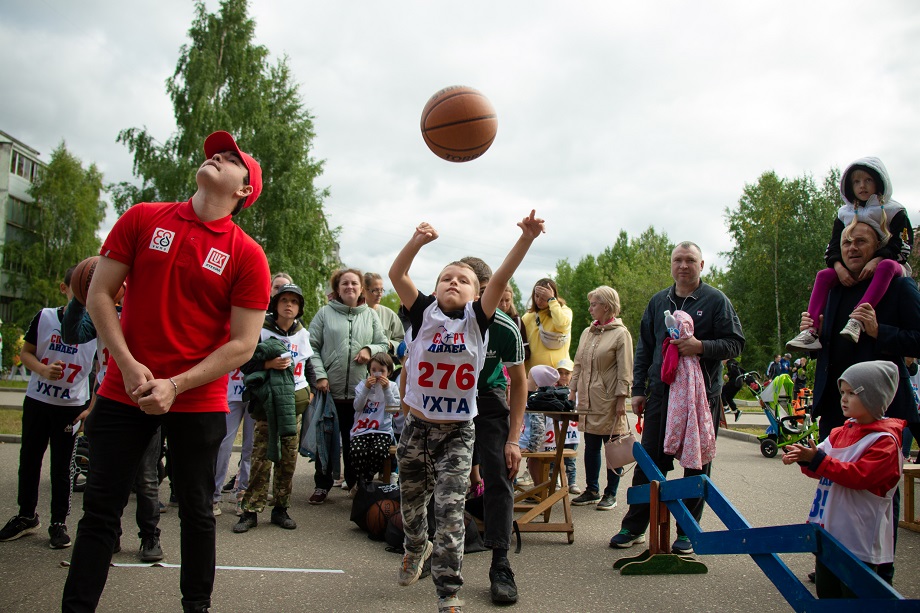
[217, 510]
[851, 330]
[525, 479]
[394, 478]
[806, 340]
[574, 490]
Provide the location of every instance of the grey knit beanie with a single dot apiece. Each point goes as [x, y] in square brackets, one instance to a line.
[874, 382]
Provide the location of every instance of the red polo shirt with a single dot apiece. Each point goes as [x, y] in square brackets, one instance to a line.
[185, 275]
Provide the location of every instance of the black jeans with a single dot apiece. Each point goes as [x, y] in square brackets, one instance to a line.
[119, 436]
[655, 418]
[492, 425]
[43, 423]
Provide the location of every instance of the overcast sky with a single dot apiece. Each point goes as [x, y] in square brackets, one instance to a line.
[611, 115]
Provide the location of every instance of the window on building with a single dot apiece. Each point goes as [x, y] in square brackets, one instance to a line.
[24, 166]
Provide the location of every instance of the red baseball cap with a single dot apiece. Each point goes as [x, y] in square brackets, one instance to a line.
[222, 141]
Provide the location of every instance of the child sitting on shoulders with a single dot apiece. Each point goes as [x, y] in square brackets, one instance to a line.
[446, 352]
[859, 467]
[372, 433]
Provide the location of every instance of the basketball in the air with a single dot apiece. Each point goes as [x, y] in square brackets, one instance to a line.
[459, 124]
[81, 278]
[378, 514]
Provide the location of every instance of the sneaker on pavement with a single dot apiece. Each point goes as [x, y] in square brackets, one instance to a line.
[228, 487]
[811, 577]
[807, 340]
[503, 589]
[217, 510]
[851, 330]
[737, 414]
[59, 537]
[319, 496]
[411, 567]
[607, 503]
[587, 498]
[150, 550]
[281, 518]
[19, 526]
[163, 507]
[249, 519]
[574, 490]
[627, 539]
[338, 482]
[682, 546]
[525, 479]
[450, 604]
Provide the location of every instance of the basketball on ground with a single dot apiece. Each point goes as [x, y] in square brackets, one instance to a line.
[81, 278]
[459, 124]
[378, 514]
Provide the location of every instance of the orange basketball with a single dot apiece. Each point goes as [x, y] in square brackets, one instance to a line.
[81, 278]
[459, 124]
[378, 514]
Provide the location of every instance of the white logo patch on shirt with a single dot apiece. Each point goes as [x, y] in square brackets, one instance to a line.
[162, 240]
[216, 261]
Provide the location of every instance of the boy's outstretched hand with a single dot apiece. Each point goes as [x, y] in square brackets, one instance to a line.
[800, 453]
[532, 227]
[424, 234]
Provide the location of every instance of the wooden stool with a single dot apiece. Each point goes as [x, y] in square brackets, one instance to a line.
[911, 472]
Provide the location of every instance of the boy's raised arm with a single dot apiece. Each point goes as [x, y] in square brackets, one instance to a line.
[531, 228]
[399, 271]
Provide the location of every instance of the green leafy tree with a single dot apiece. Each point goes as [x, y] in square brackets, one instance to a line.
[780, 229]
[69, 210]
[223, 81]
[636, 267]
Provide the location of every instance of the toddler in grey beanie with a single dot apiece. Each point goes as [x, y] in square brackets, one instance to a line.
[874, 382]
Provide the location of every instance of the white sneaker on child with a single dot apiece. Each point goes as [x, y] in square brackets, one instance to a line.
[851, 330]
[807, 340]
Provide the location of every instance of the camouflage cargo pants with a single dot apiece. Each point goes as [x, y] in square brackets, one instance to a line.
[435, 460]
[257, 494]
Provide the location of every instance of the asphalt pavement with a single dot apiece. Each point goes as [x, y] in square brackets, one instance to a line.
[327, 564]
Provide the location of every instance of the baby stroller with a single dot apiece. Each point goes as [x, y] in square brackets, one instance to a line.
[790, 420]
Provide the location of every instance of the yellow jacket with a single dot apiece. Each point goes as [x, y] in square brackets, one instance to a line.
[555, 318]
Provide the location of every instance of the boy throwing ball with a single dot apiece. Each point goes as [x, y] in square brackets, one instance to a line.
[446, 351]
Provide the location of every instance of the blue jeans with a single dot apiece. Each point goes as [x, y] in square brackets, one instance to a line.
[238, 413]
[119, 435]
[593, 445]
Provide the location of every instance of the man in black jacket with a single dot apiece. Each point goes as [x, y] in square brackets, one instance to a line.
[717, 336]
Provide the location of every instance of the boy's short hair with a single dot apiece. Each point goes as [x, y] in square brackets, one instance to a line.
[480, 268]
[460, 264]
[384, 359]
[69, 274]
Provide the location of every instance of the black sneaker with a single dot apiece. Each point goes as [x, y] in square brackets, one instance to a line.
[587, 498]
[59, 537]
[231, 483]
[249, 519]
[503, 589]
[150, 550]
[682, 546]
[281, 518]
[625, 539]
[607, 503]
[19, 526]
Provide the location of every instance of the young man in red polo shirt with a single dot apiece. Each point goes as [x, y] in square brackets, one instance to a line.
[197, 299]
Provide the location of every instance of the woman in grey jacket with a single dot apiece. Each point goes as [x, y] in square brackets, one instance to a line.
[344, 335]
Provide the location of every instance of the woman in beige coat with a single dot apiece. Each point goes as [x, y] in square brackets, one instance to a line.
[601, 381]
